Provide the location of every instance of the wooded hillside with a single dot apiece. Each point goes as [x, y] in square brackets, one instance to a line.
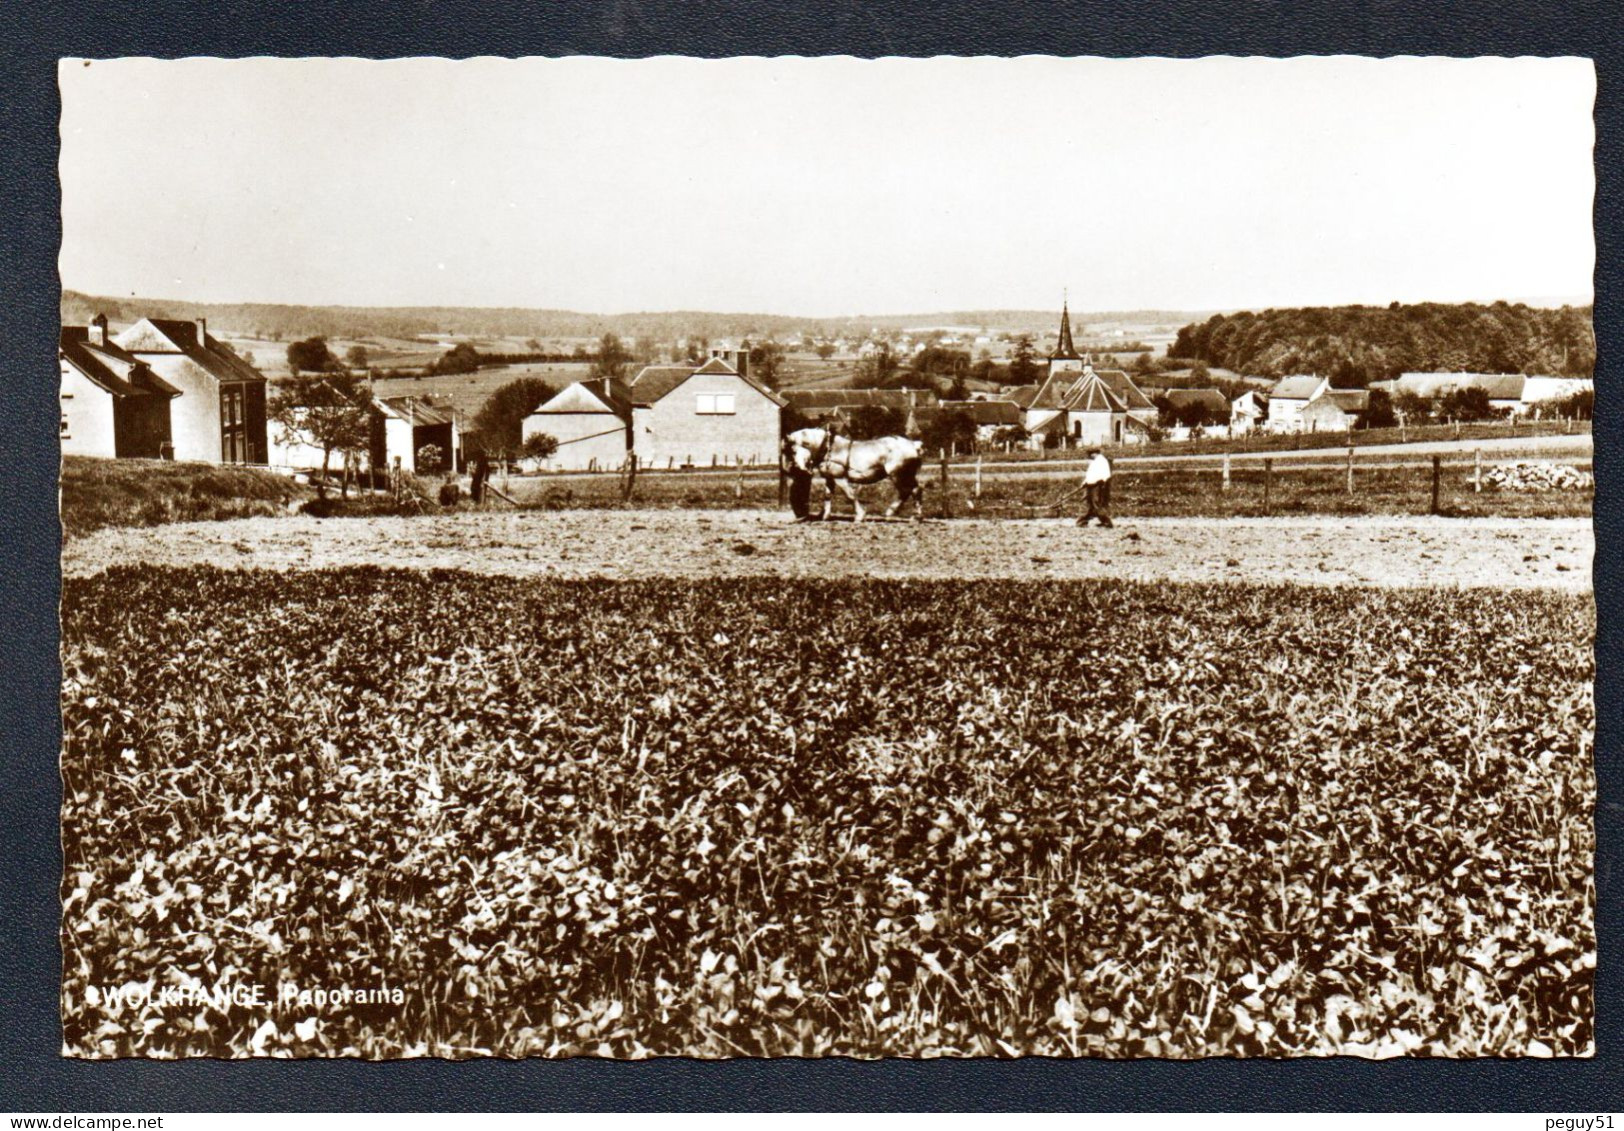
[1355, 345]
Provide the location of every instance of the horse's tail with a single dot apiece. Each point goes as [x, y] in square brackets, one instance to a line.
[907, 476]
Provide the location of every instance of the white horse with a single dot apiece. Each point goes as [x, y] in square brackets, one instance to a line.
[851, 463]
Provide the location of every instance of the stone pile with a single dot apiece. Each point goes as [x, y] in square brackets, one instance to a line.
[1537, 476]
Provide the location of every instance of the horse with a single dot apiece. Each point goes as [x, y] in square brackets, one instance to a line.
[851, 463]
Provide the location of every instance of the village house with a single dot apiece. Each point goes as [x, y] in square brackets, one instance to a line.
[113, 404]
[402, 427]
[1248, 411]
[1289, 397]
[1335, 410]
[218, 412]
[837, 406]
[1508, 392]
[668, 416]
[592, 422]
[1208, 402]
[989, 416]
[712, 416]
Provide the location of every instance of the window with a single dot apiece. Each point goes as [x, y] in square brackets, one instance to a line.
[715, 404]
[66, 435]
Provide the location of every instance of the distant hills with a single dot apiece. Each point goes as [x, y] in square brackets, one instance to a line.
[286, 322]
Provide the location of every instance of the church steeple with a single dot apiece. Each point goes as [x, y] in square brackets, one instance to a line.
[1065, 351]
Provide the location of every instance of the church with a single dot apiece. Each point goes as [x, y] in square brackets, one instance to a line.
[1078, 406]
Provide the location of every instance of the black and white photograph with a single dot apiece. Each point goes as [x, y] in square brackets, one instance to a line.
[827, 557]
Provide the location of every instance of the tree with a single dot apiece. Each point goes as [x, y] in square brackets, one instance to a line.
[330, 411]
[1010, 435]
[871, 420]
[460, 358]
[1580, 406]
[1199, 370]
[1023, 368]
[500, 420]
[611, 358]
[826, 350]
[1378, 411]
[1412, 408]
[951, 427]
[310, 356]
[429, 459]
[539, 446]
[1471, 403]
[356, 357]
[1144, 365]
[765, 360]
[876, 369]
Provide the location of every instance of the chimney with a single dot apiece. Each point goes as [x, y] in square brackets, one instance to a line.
[98, 331]
[202, 332]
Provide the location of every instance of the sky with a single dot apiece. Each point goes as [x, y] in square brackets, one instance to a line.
[828, 187]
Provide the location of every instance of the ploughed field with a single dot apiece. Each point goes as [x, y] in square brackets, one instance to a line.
[790, 816]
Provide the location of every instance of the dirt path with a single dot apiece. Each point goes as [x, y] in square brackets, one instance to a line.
[1504, 553]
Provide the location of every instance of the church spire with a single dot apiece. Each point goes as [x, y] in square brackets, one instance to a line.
[1064, 351]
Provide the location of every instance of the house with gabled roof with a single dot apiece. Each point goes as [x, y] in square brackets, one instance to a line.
[402, 427]
[592, 422]
[1248, 411]
[1335, 410]
[714, 416]
[1211, 402]
[113, 404]
[1289, 397]
[1507, 392]
[219, 412]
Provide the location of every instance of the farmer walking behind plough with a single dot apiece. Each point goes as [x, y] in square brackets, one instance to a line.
[1097, 488]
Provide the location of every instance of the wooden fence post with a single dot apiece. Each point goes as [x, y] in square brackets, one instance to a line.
[1477, 471]
[738, 483]
[947, 502]
[1437, 472]
[1268, 483]
[783, 479]
[630, 483]
[978, 475]
[1226, 471]
[1350, 469]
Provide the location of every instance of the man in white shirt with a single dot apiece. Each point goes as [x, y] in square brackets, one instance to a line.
[1097, 488]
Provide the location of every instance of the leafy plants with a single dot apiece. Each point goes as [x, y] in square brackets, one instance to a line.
[804, 818]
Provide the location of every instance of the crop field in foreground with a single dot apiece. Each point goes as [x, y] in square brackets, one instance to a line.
[774, 817]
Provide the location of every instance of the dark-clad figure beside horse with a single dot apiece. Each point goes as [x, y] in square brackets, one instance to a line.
[852, 463]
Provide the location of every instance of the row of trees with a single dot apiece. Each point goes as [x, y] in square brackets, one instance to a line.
[1355, 345]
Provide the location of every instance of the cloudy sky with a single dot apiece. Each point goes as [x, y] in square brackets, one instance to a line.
[823, 187]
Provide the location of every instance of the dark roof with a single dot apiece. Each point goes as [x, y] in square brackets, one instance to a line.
[655, 381]
[815, 399]
[206, 350]
[1126, 391]
[1211, 399]
[1051, 393]
[418, 410]
[1092, 394]
[1022, 395]
[111, 368]
[1349, 400]
[1064, 350]
[984, 413]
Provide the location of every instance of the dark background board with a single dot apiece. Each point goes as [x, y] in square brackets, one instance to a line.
[34, 1078]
